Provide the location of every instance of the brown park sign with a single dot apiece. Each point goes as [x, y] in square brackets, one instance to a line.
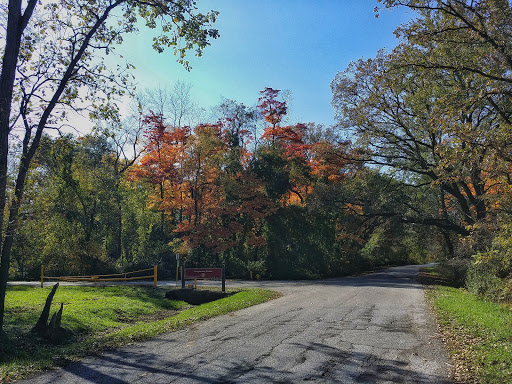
[203, 273]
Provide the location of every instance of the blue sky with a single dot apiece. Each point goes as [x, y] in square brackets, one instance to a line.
[295, 45]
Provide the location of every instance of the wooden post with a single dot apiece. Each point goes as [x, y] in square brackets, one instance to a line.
[177, 267]
[223, 277]
[42, 276]
[182, 277]
[155, 276]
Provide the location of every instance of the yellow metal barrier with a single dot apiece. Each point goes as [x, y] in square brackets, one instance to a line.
[106, 278]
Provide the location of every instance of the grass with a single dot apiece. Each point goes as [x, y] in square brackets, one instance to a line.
[478, 332]
[100, 318]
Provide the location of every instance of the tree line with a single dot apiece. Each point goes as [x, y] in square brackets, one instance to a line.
[419, 152]
[435, 113]
[262, 197]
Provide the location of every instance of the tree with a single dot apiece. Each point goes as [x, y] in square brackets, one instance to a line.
[272, 109]
[204, 184]
[55, 50]
[240, 122]
[466, 37]
[74, 191]
[478, 26]
[472, 39]
[175, 105]
[420, 125]
[282, 159]
[124, 141]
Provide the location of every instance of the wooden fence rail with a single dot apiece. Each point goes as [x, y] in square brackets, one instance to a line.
[127, 276]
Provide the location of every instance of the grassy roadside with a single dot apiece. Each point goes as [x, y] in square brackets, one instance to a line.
[100, 318]
[477, 333]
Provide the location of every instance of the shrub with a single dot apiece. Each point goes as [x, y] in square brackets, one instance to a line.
[454, 271]
[482, 281]
[487, 275]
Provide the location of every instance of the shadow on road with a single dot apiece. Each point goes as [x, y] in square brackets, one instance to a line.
[338, 367]
[396, 277]
[130, 367]
[356, 367]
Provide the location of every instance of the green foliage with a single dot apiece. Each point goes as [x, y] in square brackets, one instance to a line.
[481, 280]
[270, 166]
[454, 271]
[292, 250]
[82, 217]
[491, 270]
[375, 248]
[258, 268]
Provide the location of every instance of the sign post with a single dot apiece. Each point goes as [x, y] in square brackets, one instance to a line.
[223, 277]
[177, 267]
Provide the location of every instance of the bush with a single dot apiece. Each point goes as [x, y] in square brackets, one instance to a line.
[482, 281]
[487, 276]
[506, 294]
[454, 271]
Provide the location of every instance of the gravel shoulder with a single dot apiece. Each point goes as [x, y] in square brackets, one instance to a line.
[368, 329]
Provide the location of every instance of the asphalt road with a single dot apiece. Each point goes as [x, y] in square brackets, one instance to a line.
[369, 329]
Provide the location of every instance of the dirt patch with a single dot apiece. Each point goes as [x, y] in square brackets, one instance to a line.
[195, 296]
[158, 315]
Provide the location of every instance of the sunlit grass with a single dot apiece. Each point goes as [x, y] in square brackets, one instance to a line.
[86, 309]
[100, 318]
[478, 334]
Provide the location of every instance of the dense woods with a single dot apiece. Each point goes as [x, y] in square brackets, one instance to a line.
[262, 197]
[417, 167]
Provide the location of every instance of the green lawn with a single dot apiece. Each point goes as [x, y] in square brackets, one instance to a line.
[99, 318]
[478, 334]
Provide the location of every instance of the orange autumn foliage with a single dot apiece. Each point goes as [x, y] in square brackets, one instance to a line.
[204, 183]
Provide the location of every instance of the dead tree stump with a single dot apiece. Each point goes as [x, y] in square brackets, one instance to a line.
[42, 324]
[55, 332]
[52, 330]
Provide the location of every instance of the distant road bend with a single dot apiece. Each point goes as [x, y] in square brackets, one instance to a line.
[369, 329]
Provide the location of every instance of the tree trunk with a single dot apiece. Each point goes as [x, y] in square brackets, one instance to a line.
[16, 24]
[449, 243]
[119, 230]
